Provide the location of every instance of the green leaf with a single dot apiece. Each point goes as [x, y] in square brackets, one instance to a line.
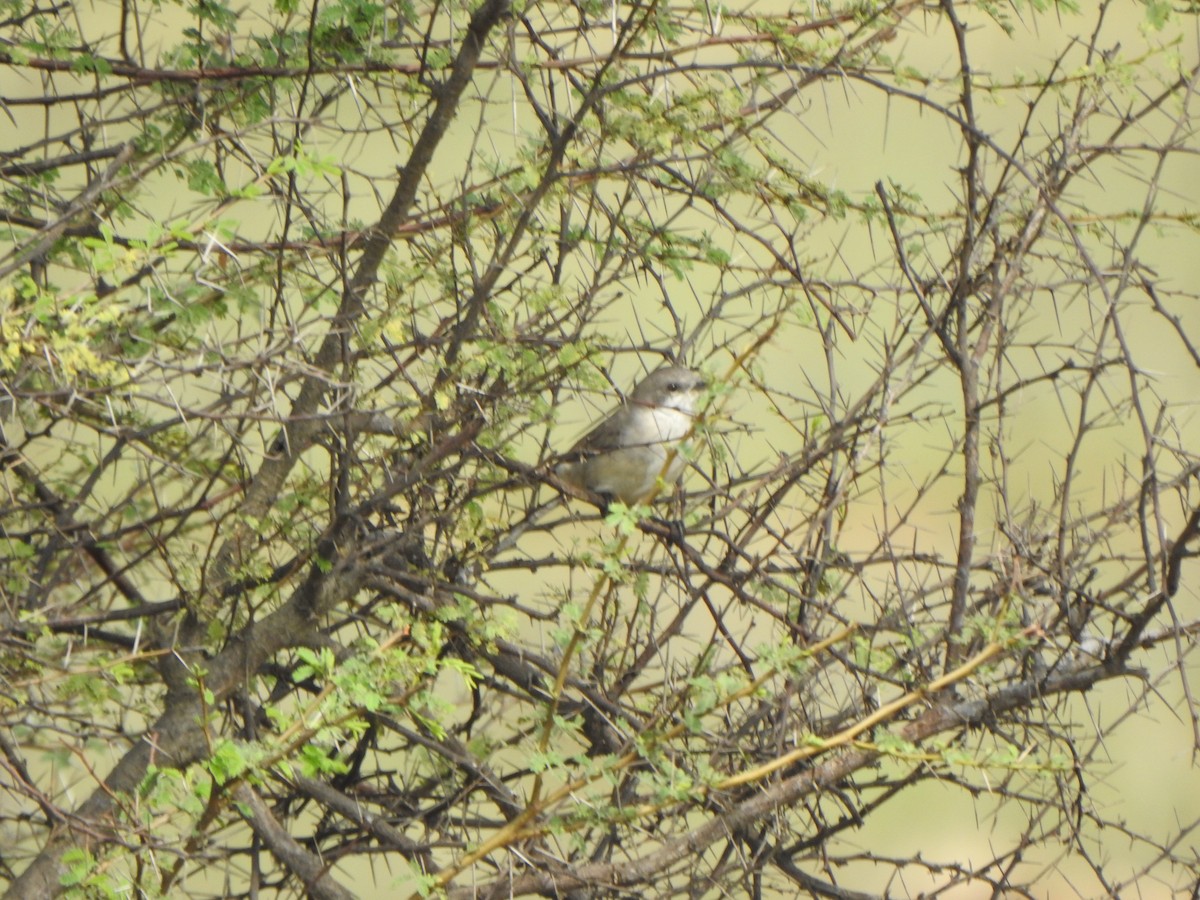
[229, 761]
[626, 518]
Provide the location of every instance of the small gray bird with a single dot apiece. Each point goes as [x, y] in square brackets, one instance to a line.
[625, 454]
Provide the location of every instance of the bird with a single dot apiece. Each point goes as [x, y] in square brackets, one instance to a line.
[624, 456]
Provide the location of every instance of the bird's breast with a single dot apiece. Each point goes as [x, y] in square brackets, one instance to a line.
[663, 424]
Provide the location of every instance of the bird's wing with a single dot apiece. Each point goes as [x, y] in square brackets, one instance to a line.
[604, 437]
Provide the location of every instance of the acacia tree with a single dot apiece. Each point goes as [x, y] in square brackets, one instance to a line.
[300, 303]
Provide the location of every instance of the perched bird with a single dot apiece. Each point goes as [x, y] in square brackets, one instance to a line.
[625, 454]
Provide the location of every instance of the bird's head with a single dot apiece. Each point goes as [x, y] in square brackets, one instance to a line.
[673, 387]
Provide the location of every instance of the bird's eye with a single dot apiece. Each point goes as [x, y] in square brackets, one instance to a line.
[674, 386]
